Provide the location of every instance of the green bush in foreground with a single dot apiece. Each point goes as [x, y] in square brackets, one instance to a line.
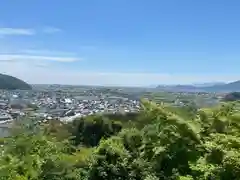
[159, 144]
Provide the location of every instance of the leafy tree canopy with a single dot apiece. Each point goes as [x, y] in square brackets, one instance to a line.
[160, 143]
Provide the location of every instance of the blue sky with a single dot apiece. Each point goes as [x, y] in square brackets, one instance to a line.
[120, 42]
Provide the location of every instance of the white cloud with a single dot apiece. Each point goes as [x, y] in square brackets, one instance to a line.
[47, 52]
[9, 31]
[51, 30]
[26, 57]
[16, 31]
[7, 61]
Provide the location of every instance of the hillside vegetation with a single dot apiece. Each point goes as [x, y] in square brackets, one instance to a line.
[157, 144]
[12, 83]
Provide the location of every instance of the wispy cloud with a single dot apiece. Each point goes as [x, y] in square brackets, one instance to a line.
[51, 30]
[16, 31]
[47, 52]
[26, 57]
[7, 61]
[9, 31]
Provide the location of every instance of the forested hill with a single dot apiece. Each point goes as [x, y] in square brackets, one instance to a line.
[12, 83]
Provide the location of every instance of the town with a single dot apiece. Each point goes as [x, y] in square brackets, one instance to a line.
[61, 104]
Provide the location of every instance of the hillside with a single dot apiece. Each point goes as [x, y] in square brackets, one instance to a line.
[228, 87]
[12, 83]
[179, 88]
[234, 96]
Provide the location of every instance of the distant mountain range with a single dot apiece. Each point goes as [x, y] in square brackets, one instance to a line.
[206, 87]
[209, 84]
[12, 83]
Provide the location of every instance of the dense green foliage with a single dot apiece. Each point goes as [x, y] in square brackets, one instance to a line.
[12, 83]
[160, 143]
[90, 130]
